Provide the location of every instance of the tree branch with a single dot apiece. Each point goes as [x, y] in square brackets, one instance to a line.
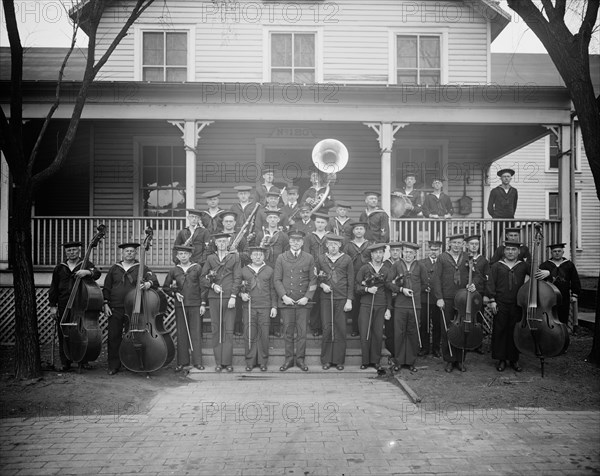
[589, 20]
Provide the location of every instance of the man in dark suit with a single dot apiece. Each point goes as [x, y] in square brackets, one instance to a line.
[295, 282]
[430, 314]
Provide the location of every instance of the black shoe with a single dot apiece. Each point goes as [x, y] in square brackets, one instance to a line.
[460, 366]
[436, 354]
[501, 366]
[480, 351]
[317, 333]
[285, 366]
[112, 371]
[363, 367]
[449, 367]
[340, 367]
[326, 367]
[423, 352]
[229, 368]
[263, 368]
[178, 368]
[302, 365]
[516, 367]
[237, 334]
[199, 366]
[64, 368]
[86, 366]
[354, 334]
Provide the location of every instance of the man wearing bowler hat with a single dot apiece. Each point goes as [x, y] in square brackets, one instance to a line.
[63, 280]
[295, 281]
[503, 198]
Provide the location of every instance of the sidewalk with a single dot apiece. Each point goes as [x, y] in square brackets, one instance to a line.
[301, 424]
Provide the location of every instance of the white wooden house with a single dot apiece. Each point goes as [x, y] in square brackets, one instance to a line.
[203, 95]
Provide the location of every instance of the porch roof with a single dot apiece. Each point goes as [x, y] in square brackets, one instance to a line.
[478, 104]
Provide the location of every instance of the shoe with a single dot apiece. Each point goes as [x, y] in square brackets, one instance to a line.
[423, 352]
[199, 367]
[248, 368]
[354, 334]
[112, 371]
[64, 368]
[302, 365]
[340, 367]
[461, 367]
[237, 334]
[501, 366]
[396, 368]
[449, 367]
[326, 367]
[218, 368]
[363, 367]
[480, 351]
[413, 369]
[317, 333]
[263, 368]
[285, 366]
[516, 367]
[86, 366]
[229, 368]
[277, 334]
[378, 367]
[179, 368]
[436, 354]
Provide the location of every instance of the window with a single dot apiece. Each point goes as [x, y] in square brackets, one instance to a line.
[418, 59]
[425, 162]
[164, 56]
[293, 58]
[554, 151]
[553, 206]
[163, 180]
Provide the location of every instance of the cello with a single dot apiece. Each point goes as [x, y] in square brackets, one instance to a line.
[540, 332]
[147, 346]
[82, 336]
[464, 333]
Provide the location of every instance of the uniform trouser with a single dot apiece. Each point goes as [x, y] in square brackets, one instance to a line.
[563, 311]
[434, 322]
[457, 354]
[64, 360]
[222, 330]
[315, 312]
[117, 323]
[194, 321]
[371, 347]
[503, 327]
[294, 322]
[256, 335]
[238, 326]
[354, 313]
[406, 338]
[333, 345]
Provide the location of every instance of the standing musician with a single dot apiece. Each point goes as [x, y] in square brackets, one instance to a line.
[183, 284]
[375, 305]
[451, 273]
[358, 250]
[514, 235]
[437, 204]
[291, 208]
[221, 277]
[315, 193]
[259, 303]
[295, 282]
[409, 191]
[341, 224]
[503, 199]
[388, 326]
[305, 224]
[563, 274]
[315, 243]
[244, 206]
[260, 193]
[63, 280]
[120, 281]
[275, 242]
[337, 283]
[506, 278]
[405, 278]
[377, 220]
[194, 235]
[481, 270]
[211, 218]
[430, 314]
[272, 205]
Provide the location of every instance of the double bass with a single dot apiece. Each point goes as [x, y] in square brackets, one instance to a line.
[540, 332]
[464, 332]
[82, 336]
[147, 346]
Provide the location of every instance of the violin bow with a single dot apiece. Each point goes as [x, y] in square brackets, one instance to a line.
[446, 329]
[412, 297]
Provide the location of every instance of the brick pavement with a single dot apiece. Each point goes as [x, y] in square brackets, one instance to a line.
[315, 424]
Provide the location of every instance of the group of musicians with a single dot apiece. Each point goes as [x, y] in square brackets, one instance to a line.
[260, 268]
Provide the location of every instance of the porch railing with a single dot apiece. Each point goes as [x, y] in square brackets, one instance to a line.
[421, 230]
[50, 232]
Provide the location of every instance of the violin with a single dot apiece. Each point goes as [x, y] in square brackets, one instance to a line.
[540, 332]
[147, 346]
[82, 336]
[464, 332]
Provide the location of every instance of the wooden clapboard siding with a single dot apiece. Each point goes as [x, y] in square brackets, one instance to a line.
[114, 185]
[356, 38]
[588, 253]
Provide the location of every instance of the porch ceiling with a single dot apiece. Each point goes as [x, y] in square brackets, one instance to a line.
[483, 104]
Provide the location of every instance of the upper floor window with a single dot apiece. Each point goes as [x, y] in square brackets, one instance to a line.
[419, 59]
[293, 58]
[554, 151]
[165, 56]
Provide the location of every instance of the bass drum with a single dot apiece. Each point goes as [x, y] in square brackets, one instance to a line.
[400, 206]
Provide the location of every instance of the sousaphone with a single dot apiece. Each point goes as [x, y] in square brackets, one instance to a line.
[329, 156]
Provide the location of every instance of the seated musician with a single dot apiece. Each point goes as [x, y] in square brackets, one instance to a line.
[63, 279]
[119, 282]
[183, 284]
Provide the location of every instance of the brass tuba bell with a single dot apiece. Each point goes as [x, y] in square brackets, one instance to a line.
[330, 156]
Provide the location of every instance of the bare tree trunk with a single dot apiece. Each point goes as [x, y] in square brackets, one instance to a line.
[27, 351]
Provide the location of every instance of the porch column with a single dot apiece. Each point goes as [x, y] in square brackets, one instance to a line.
[4, 196]
[566, 192]
[385, 135]
[191, 136]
